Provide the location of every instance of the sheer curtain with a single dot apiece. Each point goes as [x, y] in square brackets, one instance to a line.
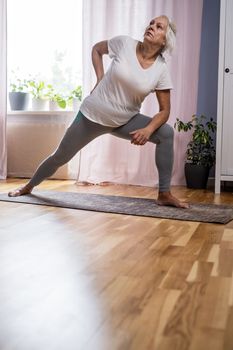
[3, 89]
[108, 158]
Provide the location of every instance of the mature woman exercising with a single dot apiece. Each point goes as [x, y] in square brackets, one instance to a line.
[137, 69]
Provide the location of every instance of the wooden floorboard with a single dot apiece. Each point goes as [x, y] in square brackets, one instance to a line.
[75, 280]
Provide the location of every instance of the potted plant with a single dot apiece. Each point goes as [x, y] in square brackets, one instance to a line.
[19, 95]
[37, 90]
[200, 153]
[76, 97]
[56, 100]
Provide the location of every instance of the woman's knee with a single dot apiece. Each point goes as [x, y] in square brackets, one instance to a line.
[165, 132]
[59, 157]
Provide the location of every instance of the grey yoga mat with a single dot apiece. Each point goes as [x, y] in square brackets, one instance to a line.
[125, 205]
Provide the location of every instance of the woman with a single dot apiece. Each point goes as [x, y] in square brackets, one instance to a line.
[137, 69]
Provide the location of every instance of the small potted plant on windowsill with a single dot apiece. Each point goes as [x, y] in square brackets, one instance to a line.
[19, 95]
[56, 100]
[37, 89]
[200, 153]
[76, 97]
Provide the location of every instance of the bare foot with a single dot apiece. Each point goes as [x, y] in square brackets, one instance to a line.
[166, 198]
[20, 191]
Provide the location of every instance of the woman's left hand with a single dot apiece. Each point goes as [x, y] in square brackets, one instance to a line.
[140, 136]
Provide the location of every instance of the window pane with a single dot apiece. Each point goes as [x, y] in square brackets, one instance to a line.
[45, 41]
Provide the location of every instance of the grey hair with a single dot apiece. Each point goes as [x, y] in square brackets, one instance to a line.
[170, 37]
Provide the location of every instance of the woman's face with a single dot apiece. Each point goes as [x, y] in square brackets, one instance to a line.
[155, 32]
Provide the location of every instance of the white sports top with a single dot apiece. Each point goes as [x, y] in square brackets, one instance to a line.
[120, 93]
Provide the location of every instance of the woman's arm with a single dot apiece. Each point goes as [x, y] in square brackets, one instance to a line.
[141, 136]
[98, 50]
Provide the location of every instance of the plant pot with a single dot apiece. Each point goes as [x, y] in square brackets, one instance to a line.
[196, 175]
[53, 106]
[76, 104]
[19, 100]
[38, 104]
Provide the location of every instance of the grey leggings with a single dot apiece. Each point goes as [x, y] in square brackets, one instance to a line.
[82, 131]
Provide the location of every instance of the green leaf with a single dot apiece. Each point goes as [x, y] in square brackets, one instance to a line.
[61, 103]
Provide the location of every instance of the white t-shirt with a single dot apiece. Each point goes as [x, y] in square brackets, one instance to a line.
[120, 93]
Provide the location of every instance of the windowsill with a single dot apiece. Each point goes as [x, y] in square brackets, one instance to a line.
[45, 113]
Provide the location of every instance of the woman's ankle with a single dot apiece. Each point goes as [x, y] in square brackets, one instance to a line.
[28, 187]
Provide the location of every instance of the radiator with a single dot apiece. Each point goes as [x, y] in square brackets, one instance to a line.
[32, 137]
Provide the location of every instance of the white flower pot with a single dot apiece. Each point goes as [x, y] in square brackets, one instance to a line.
[38, 104]
[76, 104]
[53, 106]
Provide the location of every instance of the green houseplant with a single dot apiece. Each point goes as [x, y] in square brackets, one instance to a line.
[38, 91]
[37, 88]
[76, 97]
[77, 92]
[200, 153]
[55, 99]
[18, 94]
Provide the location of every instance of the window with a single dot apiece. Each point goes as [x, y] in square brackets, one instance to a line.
[45, 42]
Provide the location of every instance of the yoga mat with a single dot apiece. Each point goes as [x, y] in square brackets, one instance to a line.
[125, 205]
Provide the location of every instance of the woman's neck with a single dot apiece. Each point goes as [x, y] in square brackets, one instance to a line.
[148, 52]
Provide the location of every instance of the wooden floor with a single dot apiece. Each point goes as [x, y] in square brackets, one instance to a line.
[73, 279]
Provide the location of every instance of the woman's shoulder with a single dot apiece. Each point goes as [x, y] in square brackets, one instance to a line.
[162, 59]
[119, 42]
[163, 63]
[123, 38]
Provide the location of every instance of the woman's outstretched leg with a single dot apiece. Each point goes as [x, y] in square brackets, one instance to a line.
[78, 134]
[163, 138]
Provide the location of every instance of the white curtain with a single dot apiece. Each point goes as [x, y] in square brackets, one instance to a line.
[3, 88]
[109, 159]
